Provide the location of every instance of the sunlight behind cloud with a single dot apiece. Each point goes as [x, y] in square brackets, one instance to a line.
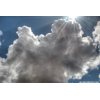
[72, 17]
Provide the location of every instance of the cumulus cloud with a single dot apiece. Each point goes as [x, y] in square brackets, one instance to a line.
[55, 57]
[96, 35]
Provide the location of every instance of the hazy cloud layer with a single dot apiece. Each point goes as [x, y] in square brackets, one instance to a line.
[55, 57]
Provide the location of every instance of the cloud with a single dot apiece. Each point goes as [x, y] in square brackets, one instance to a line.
[55, 57]
[0, 43]
[96, 35]
[99, 76]
[1, 33]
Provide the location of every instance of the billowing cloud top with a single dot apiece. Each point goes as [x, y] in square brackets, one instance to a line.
[55, 57]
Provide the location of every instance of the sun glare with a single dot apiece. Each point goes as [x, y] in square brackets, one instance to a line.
[72, 17]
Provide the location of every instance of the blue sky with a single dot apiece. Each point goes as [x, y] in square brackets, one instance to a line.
[42, 25]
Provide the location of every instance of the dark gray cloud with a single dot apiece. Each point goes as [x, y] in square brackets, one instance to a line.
[55, 57]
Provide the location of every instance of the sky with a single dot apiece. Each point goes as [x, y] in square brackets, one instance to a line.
[42, 25]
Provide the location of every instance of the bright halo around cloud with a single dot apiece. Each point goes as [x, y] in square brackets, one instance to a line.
[72, 17]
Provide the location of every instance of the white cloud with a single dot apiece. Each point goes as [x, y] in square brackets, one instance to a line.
[55, 57]
[99, 76]
[1, 33]
[0, 43]
[96, 33]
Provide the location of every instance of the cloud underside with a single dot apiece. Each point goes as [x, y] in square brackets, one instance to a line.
[55, 57]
